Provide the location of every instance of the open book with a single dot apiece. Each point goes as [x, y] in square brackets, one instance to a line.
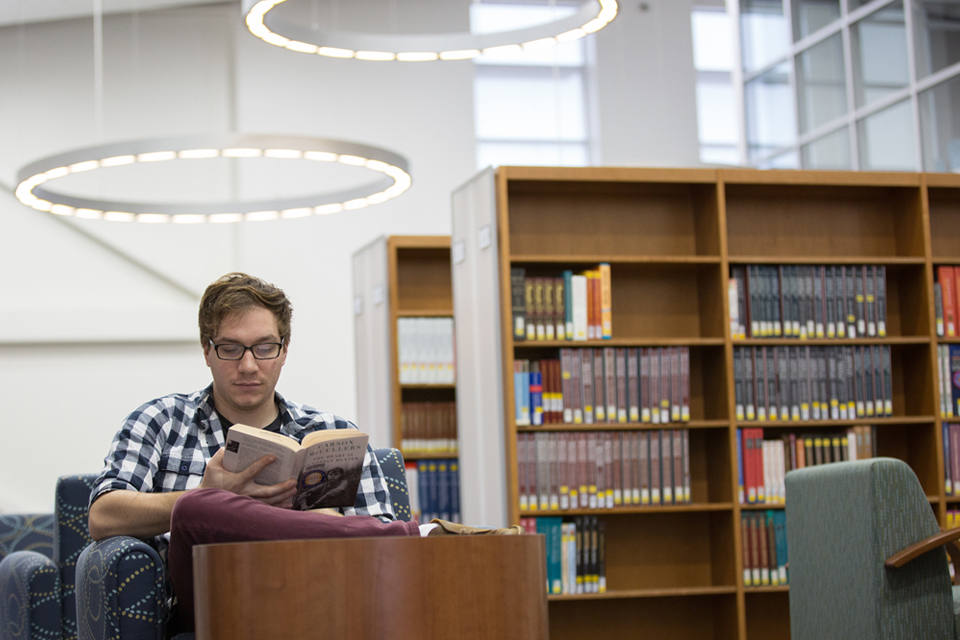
[327, 465]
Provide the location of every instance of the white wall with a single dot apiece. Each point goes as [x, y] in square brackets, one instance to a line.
[100, 317]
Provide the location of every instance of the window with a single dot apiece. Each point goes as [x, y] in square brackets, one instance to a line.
[530, 107]
[716, 101]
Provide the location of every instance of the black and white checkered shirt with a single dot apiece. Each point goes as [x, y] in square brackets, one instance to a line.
[165, 444]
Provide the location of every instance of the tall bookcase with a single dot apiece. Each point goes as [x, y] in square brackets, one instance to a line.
[396, 277]
[670, 236]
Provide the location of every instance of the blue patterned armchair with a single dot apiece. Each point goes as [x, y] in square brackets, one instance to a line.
[867, 558]
[55, 582]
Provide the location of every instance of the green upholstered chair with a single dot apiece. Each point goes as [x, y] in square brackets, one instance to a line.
[867, 557]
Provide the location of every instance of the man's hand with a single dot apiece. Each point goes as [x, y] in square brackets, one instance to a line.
[216, 477]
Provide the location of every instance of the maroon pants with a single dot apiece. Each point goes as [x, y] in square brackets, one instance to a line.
[207, 516]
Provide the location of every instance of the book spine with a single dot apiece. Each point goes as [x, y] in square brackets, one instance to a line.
[576, 386]
[566, 373]
[741, 496]
[675, 398]
[818, 307]
[622, 401]
[586, 356]
[522, 488]
[870, 304]
[760, 382]
[841, 299]
[734, 306]
[599, 389]
[583, 461]
[606, 302]
[633, 386]
[610, 382]
[745, 549]
[664, 384]
[643, 440]
[654, 355]
[568, 305]
[947, 471]
[881, 306]
[579, 311]
[685, 383]
[748, 383]
[517, 291]
[938, 307]
[553, 456]
[738, 390]
[549, 310]
[608, 470]
[655, 467]
[560, 307]
[645, 413]
[830, 302]
[619, 475]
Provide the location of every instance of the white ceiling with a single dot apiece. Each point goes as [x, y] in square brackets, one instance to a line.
[14, 12]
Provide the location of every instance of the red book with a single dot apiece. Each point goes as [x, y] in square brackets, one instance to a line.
[948, 291]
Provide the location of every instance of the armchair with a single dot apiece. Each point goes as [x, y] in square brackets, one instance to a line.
[55, 582]
[866, 555]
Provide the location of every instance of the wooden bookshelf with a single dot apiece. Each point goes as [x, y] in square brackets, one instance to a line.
[397, 277]
[670, 237]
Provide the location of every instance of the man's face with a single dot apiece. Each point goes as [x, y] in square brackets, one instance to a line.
[244, 387]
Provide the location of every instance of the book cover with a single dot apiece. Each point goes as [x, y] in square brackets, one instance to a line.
[549, 527]
[549, 309]
[685, 384]
[870, 301]
[610, 383]
[645, 406]
[633, 386]
[531, 319]
[599, 388]
[881, 305]
[578, 298]
[518, 300]
[327, 464]
[576, 368]
[586, 372]
[606, 302]
[566, 373]
[568, 305]
[946, 276]
[622, 401]
[560, 308]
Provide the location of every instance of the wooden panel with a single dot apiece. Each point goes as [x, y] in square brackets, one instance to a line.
[359, 588]
[668, 618]
[423, 279]
[789, 220]
[585, 218]
[915, 444]
[663, 550]
[768, 615]
[945, 222]
[913, 381]
[908, 313]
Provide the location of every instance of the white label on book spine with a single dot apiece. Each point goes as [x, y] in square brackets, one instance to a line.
[746, 577]
[568, 415]
[523, 503]
[740, 413]
[871, 329]
[796, 327]
[811, 329]
[685, 413]
[777, 331]
[634, 414]
[819, 329]
[881, 328]
[645, 415]
[831, 330]
[862, 327]
[841, 330]
[888, 407]
[664, 416]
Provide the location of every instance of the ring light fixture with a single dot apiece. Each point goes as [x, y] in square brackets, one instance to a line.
[592, 16]
[34, 179]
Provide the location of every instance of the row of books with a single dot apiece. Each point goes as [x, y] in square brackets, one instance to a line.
[812, 383]
[763, 537]
[569, 307]
[946, 299]
[948, 365]
[428, 427]
[603, 469]
[576, 553]
[951, 458]
[763, 464]
[434, 489]
[608, 385]
[425, 349]
[808, 301]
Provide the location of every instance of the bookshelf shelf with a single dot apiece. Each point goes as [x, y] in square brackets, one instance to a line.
[670, 237]
[413, 455]
[648, 593]
[630, 426]
[425, 313]
[428, 386]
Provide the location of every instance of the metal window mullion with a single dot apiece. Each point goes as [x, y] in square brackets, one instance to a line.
[939, 77]
[737, 76]
[912, 79]
[854, 135]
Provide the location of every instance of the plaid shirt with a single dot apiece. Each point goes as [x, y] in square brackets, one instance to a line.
[165, 444]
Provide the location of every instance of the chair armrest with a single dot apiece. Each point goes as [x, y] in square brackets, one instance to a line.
[901, 558]
[29, 596]
[120, 591]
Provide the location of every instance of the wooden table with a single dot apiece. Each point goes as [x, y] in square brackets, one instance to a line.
[443, 588]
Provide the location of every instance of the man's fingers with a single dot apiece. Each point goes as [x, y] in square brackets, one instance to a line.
[256, 467]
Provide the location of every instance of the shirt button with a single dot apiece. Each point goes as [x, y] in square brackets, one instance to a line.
[184, 467]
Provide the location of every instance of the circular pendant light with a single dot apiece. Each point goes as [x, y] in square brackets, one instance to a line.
[34, 180]
[592, 16]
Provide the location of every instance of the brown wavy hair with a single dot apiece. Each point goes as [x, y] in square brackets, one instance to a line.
[237, 292]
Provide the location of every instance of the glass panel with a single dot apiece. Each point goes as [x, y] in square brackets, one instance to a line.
[718, 154]
[829, 152]
[811, 15]
[886, 140]
[716, 112]
[940, 126]
[550, 154]
[491, 17]
[937, 29]
[763, 30]
[788, 160]
[771, 119]
[712, 41]
[821, 83]
[880, 54]
[528, 104]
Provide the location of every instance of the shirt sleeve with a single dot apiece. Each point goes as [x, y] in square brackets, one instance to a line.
[134, 456]
[373, 495]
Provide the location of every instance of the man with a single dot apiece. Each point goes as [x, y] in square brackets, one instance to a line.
[164, 477]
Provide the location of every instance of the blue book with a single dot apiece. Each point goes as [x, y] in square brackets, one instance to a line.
[780, 533]
[518, 398]
[536, 398]
[740, 493]
[455, 490]
[443, 490]
[550, 528]
[955, 377]
[423, 491]
[568, 302]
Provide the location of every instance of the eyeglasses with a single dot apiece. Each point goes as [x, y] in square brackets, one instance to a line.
[262, 351]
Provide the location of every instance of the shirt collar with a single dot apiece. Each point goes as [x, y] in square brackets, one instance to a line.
[210, 420]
